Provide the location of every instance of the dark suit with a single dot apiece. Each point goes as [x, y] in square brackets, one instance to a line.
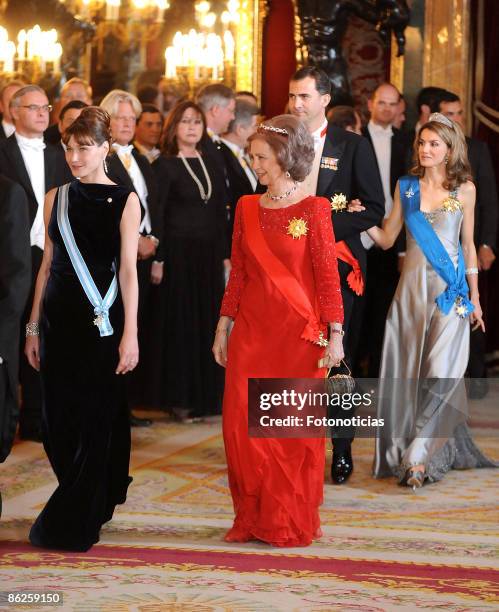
[382, 266]
[12, 166]
[355, 176]
[486, 215]
[239, 185]
[213, 149]
[52, 134]
[118, 173]
[3, 135]
[15, 281]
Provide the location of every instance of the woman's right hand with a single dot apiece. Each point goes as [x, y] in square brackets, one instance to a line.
[220, 347]
[32, 351]
[157, 272]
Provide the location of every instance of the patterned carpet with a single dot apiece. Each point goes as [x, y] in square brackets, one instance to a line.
[384, 548]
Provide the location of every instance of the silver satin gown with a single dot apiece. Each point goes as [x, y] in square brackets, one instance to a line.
[425, 412]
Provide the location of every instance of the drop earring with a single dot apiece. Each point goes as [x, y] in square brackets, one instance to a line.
[446, 160]
[104, 163]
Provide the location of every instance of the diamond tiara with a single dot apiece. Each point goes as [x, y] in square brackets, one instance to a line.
[271, 128]
[439, 118]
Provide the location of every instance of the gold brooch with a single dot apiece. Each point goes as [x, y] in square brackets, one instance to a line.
[297, 228]
[338, 202]
[451, 205]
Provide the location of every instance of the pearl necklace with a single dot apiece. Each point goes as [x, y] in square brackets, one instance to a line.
[284, 195]
[205, 196]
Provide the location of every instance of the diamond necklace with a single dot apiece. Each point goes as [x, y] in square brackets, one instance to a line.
[284, 195]
[205, 195]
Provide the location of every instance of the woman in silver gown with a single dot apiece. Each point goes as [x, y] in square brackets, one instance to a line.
[426, 341]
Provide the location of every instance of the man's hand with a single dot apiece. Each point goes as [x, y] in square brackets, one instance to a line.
[486, 257]
[147, 248]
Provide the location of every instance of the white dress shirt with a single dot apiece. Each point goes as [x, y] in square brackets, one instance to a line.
[34, 160]
[382, 142]
[243, 160]
[124, 152]
[8, 128]
[151, 154]
[319, 137]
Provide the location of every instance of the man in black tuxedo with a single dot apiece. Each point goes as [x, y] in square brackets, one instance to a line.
[486, 217]
[242, 179]
[68, 114]
[126, 166]
[75, 89]
[390, 151]
[37, 168]
[218, 104]
[15, 281]
[7, 126]
[344, 166]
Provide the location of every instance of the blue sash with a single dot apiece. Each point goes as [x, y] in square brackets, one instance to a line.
[434, 251]
[101, 306]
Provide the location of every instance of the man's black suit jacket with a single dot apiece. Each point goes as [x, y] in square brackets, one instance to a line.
[356, 176]
[118, 173]
[239, 185]
[3, 135]
[398, 160]
[12, 165]
[486, 207]
[15, 282]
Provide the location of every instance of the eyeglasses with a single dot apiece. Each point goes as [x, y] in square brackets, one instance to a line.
[125, 119]
[35, 108]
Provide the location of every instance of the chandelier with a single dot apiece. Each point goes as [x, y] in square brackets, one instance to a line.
[207, 54]
[37, 52]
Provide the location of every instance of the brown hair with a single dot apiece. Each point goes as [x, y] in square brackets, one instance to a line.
[457, 168]
[342, 116]
[294, 150]
[91, 127]
[169, 146]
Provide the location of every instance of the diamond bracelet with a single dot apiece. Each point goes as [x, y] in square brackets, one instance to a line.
[32, 329]
[471, 270]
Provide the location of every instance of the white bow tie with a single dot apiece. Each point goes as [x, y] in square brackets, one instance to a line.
[123, 149]
[35, 144]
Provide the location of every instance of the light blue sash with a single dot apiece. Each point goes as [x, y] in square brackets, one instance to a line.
[101, 306]
[434, 251]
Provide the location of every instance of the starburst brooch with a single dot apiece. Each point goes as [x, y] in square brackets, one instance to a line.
[451, 205]
[338, 202]
[297, 228]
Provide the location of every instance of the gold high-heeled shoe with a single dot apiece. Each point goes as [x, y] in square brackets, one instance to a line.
[415, 479]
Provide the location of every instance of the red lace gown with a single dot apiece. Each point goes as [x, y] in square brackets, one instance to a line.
[276, 483]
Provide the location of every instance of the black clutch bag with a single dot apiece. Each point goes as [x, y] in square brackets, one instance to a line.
[340, 383]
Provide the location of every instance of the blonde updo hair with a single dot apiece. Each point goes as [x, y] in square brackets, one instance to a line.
[457, 168]
[294, 149]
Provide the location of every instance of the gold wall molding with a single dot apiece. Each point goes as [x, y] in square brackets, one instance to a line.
[447, 35]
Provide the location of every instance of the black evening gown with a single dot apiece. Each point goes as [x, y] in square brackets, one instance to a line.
[85, 424]
[184, 374]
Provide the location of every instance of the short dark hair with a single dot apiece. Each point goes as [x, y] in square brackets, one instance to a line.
[147, 94]
[342, 116]
[149, 108]
[322, 82]
[93, 126]
[427, 96]
[243, 114]
[291, 143]
[73, 104]
[169, 146]
[214, 95]
[445, 96]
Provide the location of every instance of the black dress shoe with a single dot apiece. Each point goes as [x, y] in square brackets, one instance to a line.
[478, 388]
[341, 467]
[136, 421]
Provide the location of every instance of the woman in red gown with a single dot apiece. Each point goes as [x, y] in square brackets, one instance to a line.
[283, 296]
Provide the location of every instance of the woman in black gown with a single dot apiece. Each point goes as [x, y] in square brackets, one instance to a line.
[86, 432]
[185, 377]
